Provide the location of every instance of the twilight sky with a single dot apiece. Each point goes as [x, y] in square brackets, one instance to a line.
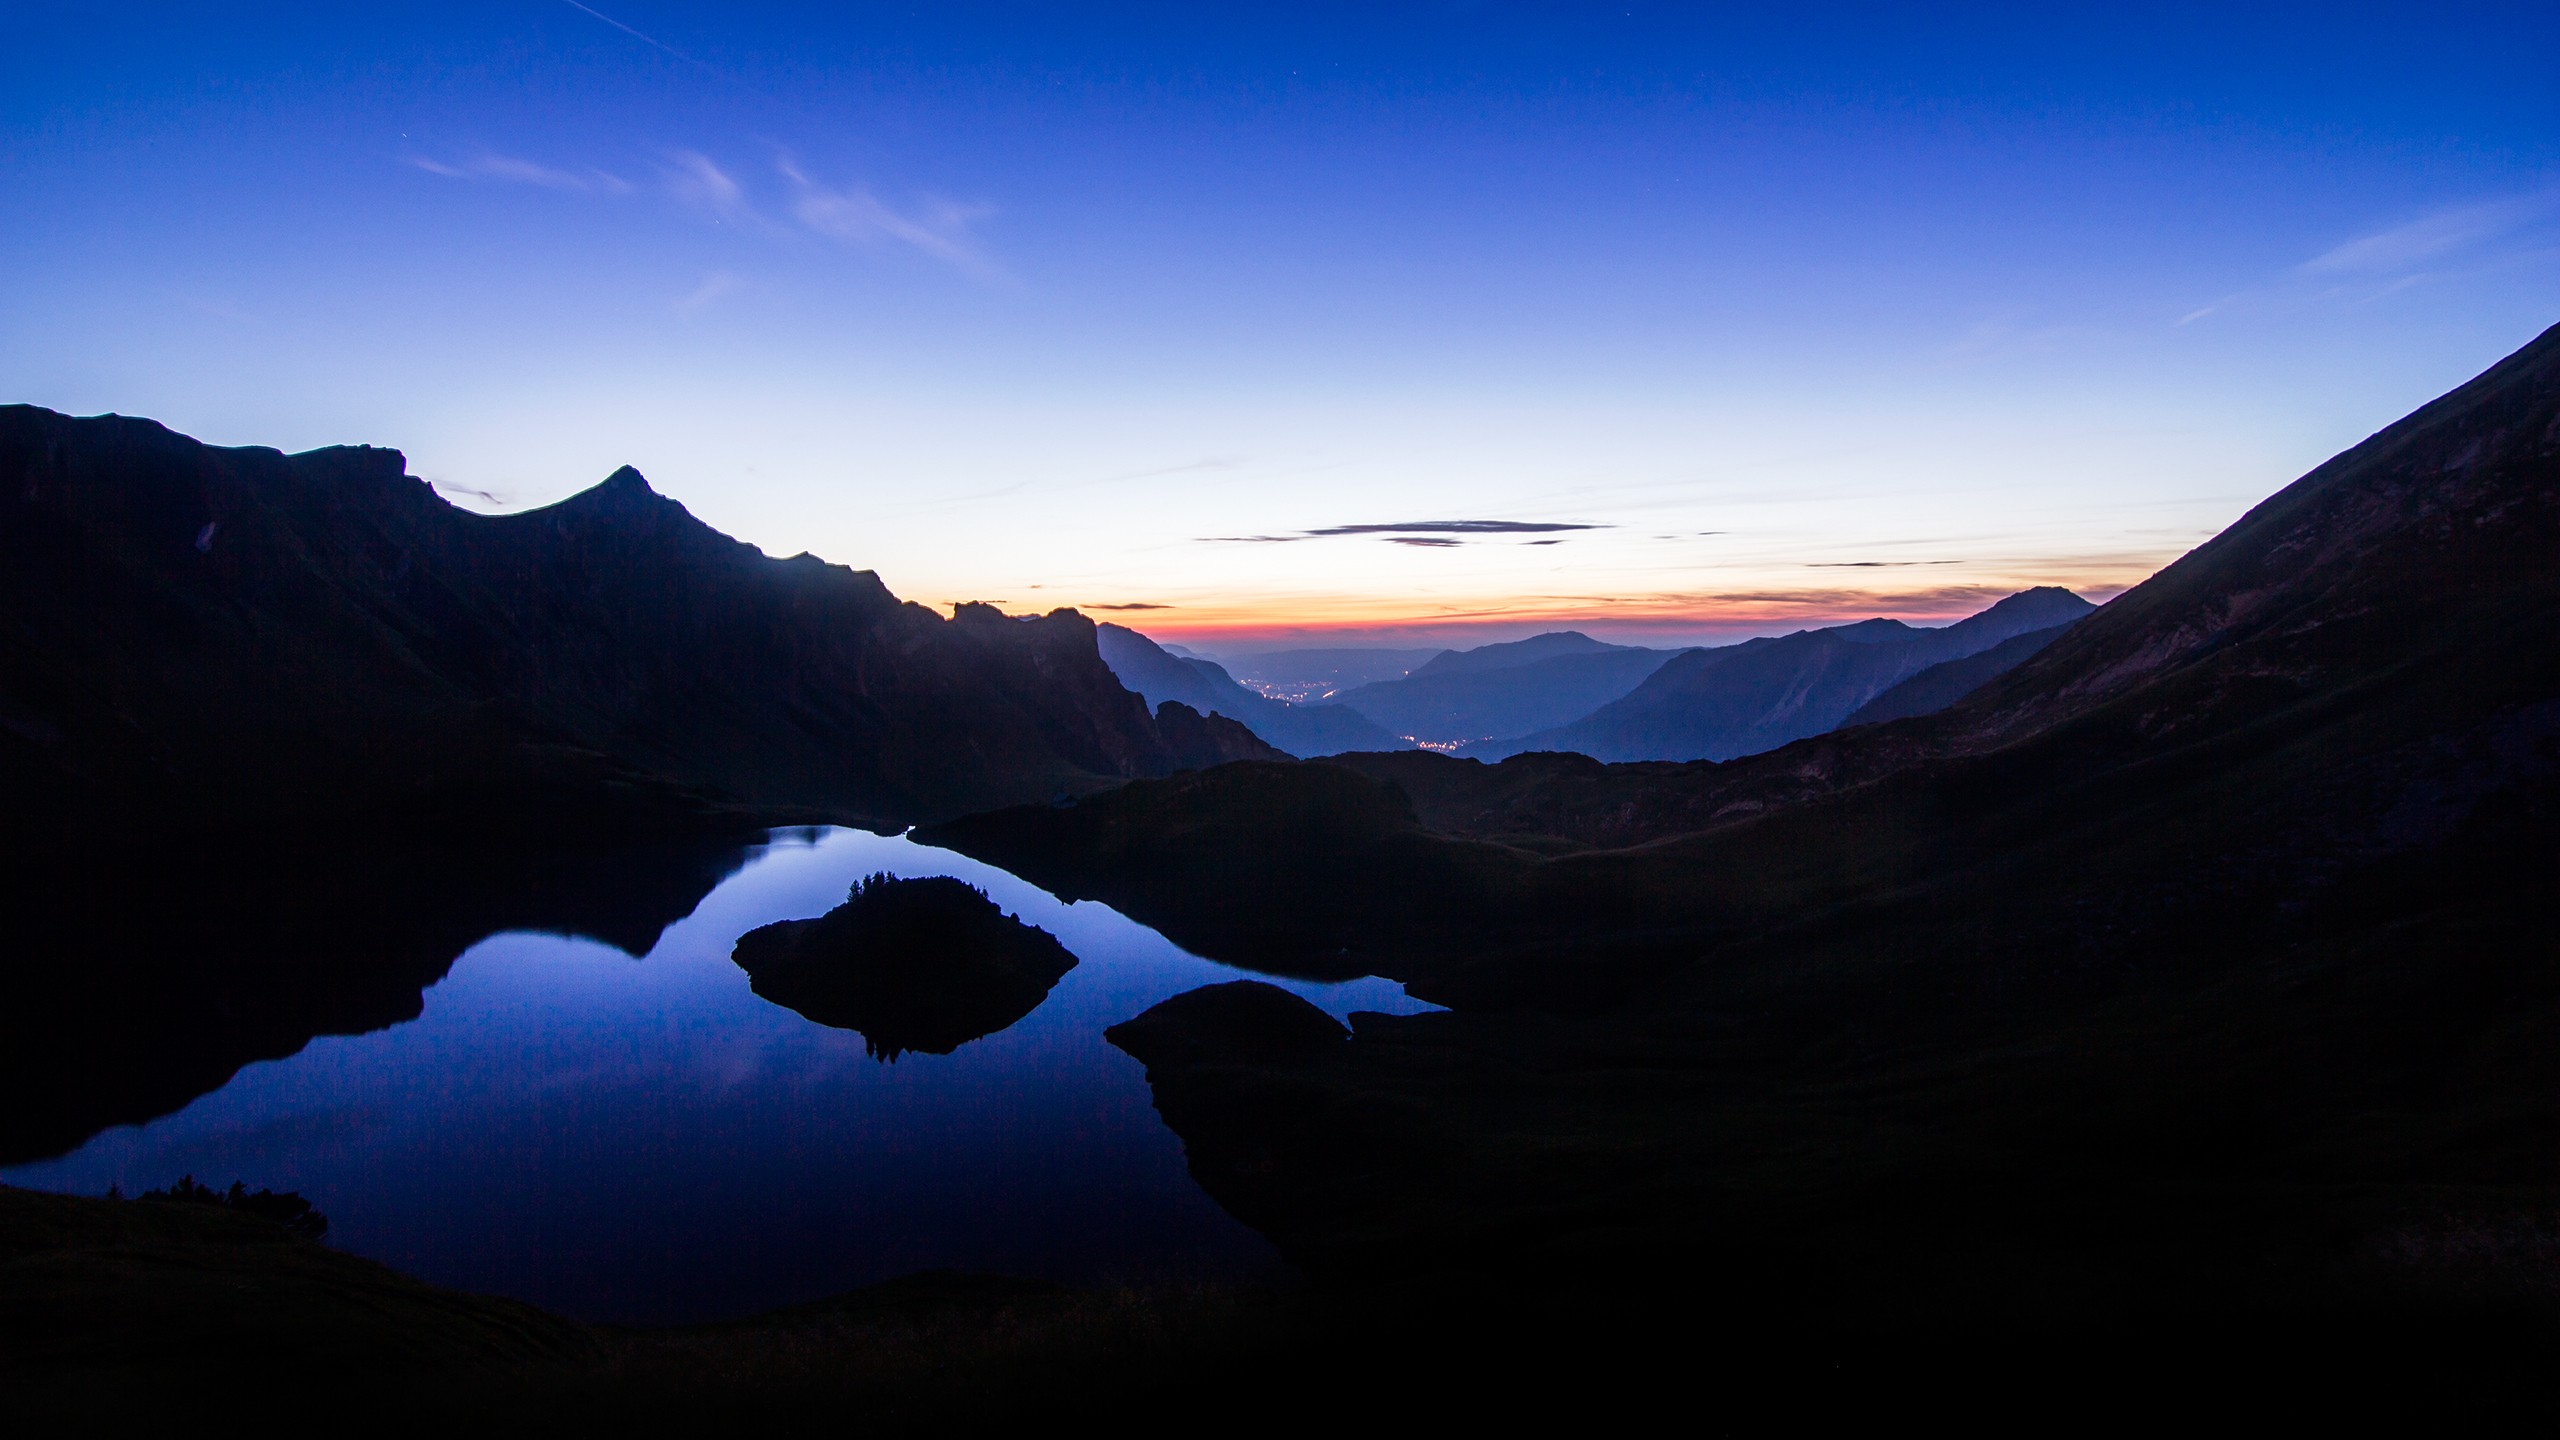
[1303, 322]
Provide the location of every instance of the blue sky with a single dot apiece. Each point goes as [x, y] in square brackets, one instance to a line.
[1804, 317]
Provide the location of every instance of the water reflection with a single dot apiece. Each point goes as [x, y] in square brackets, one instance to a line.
[139, 979]
[648, 1140]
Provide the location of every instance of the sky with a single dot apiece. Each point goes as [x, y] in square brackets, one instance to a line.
[1254, 325]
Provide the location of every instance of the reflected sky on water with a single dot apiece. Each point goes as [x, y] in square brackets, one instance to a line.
[646, 1140]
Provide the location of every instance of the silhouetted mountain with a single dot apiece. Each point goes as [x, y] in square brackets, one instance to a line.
[1949, 681]
[1497, 691]
[2202, 964]
[1204, 685]
[1758, 695]
[1511, 654]
[249, 637]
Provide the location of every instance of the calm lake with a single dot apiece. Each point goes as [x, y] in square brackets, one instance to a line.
[645, 1140]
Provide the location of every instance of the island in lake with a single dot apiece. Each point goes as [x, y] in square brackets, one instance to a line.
[925, 964]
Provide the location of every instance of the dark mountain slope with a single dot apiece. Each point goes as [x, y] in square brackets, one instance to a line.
[241, 636]
[1205, 686]
[1505, 690]
[1511, 654]
[2202, 961]
[1949, 681]
[1742, 699]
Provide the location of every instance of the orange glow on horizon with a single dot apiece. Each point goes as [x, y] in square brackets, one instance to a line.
[1315, 621]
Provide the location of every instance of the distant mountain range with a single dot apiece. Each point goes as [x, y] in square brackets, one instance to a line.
[1566, 691]
[243, 636]
[1758, 695]
[1155, 672]
[1494, 691]
[1300, 676]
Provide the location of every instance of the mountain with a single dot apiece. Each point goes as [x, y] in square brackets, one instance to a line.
[1743, 699]
[2199, 967]
[1303, 675]
[1949, 681]
[1160, 676]
[243, 637]
[1514, 653]
[1496, 691]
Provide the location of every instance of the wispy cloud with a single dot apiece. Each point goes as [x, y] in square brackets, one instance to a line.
[2005, 335]
[1458, 527]
[1134, 605]
[696, 180]
[1872, 564]
[713, 286]
[2445, 242]
[511, 170]
[1413, 532]
[489, 497]
[1431, 541]
[634, 34]
[2428, 238]
[935, 226]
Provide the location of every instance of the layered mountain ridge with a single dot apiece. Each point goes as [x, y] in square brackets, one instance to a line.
[247, 637]
[1160, 675]
[1742, 699]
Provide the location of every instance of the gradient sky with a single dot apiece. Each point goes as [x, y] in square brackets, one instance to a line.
[1808, 317]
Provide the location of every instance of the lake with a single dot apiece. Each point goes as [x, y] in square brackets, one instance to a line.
[645, 1140]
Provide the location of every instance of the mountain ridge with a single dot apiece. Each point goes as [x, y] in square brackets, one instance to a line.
[264, 638]
[1742, 699]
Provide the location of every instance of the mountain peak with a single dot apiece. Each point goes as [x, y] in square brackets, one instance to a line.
[625, 481]
[624, 493]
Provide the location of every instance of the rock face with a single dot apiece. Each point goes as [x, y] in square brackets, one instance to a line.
[912, 964]
[251, 637]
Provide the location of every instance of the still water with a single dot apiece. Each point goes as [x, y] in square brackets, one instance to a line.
[645, 1140]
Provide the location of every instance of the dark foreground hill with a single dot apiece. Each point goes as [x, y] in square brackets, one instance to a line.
[240, 637]
[1760, 694]
[2199, 970]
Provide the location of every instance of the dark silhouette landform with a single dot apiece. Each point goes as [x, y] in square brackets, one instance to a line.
[1160, 676]
[928, 965]
[288, 1209]
[239, 637]
[2202, 965]
[2174, 1015]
